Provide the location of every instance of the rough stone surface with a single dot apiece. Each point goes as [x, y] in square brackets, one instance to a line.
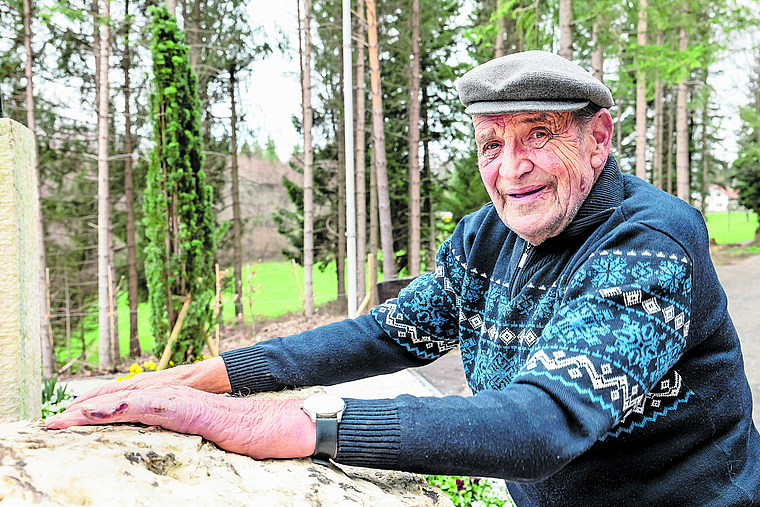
[20, 361]
[133, 465]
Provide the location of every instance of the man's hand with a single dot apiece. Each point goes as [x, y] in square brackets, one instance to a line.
[260, 428]
[209, 376]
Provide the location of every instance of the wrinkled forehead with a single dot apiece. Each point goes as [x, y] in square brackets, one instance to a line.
[487, 125]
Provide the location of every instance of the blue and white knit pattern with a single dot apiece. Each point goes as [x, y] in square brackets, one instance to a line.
[611, 331]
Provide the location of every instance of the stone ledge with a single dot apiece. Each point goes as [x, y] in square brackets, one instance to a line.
[133, 465]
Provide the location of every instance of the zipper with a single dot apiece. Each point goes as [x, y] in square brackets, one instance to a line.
[520, 266]
[524, 257]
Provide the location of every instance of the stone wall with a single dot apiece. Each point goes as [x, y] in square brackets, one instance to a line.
[20, 363]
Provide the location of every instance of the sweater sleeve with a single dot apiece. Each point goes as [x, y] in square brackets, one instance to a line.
[339, 352]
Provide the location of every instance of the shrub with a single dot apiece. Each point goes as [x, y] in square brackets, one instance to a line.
[472, 491]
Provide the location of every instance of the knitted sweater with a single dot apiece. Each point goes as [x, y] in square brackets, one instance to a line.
[604, 365]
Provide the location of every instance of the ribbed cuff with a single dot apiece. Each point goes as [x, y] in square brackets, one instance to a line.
[369, 434]
[248, 371]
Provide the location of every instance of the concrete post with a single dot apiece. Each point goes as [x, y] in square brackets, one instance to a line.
[20, 358]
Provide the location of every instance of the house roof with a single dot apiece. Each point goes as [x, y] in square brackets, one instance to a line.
[728, 191]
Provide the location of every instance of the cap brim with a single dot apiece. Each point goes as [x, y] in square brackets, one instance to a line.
[525, 106]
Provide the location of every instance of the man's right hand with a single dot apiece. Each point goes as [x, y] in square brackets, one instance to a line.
[209, 376]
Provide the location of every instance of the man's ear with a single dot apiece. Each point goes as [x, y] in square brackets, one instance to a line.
[600, 130]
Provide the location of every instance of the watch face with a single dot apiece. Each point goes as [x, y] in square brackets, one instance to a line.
[324, 404]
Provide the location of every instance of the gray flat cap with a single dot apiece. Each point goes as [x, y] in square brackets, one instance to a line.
[533, 81]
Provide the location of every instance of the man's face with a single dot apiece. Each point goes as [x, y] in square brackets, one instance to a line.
[538, 169]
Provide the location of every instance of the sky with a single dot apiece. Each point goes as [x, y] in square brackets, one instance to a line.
[273, 92]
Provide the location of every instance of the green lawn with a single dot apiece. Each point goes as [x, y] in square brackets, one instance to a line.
[732, 227]
[270, 288]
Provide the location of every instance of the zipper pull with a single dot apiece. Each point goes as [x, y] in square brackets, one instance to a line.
[524, 256]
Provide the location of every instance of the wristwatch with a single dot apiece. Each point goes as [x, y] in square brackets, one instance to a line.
[325, 411]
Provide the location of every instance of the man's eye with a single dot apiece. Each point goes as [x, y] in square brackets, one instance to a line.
[492, 145]
[538, 138]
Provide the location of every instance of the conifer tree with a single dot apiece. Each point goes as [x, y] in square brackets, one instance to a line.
[180, 224]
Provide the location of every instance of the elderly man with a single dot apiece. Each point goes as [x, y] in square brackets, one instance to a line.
[592, 327]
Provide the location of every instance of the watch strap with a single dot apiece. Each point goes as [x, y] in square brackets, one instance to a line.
[327, 440]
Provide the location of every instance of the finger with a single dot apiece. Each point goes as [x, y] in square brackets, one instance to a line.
[102, 411]
[162, 407]
[111, 387]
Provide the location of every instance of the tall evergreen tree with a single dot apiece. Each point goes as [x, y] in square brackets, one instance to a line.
[180, 223]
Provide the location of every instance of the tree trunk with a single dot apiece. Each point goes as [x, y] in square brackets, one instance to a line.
[498, 45]
[383, 197]
[565, 29]
[373, 215]
[641, 96]
[669, 144]
[705, 154]
[237, 234]
[619, 115]
[104, 322]
[340, 128]
[194, 36]
[95, 11]
[134, 341]
[658, 127]
[597, 56]
[359, 167]
[414, 145]
[427, 184]
[682, 139]
[48, 365]
[308, 189]
[658, 114]
[172, 6]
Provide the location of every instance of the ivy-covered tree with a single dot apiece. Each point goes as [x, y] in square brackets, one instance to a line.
[179, 217]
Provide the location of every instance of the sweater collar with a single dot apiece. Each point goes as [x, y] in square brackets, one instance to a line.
[605, 196]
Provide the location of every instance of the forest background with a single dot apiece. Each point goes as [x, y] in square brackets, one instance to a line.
[81, 75]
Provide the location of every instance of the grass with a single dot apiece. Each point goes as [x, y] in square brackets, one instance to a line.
[271, 289]
[736, 227]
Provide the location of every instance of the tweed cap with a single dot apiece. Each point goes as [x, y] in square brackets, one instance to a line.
[532, 81]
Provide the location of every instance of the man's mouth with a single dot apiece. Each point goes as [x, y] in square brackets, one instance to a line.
[522, 193]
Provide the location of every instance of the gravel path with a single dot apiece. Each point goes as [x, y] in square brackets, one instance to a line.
[741, 282]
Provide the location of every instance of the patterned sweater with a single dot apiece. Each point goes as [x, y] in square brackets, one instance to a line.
[604, 365]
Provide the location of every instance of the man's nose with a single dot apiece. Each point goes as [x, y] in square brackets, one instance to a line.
[515, 159]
